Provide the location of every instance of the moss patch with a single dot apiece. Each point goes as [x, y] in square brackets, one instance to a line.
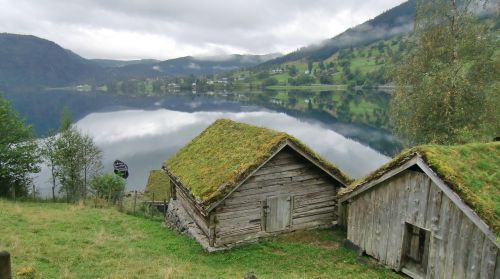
[158, 183]
[471, 170]
[225, 153]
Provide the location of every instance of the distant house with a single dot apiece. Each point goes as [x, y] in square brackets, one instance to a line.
[239, 183]
[276, 71]
[432, 212]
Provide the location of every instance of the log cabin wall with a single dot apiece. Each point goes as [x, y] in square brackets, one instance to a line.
[378, 218]
[308, 193]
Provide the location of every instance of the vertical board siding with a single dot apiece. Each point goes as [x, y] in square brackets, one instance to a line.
[457, 247]
[313, 203]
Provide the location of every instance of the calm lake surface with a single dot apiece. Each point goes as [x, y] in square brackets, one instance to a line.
[145, 131]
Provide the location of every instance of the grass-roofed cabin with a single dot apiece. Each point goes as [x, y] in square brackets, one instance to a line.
[240, 182]
[432, 212]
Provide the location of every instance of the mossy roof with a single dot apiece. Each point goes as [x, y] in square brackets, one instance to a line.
[471, 170]
[225, 154]
[158, 183]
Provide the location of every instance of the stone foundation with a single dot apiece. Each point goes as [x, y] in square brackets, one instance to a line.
[179, 220]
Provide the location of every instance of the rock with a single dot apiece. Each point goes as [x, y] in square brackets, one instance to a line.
[250, 275]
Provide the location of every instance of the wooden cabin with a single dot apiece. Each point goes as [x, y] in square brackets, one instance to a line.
[432, 212]
[240, 182]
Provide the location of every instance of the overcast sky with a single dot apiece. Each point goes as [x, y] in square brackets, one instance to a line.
[163, 29]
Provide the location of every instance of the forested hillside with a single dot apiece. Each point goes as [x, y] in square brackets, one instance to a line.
[29, 60]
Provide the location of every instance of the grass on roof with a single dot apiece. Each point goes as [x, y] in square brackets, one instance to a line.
[158, 183]
[214, 162]
[471, 170]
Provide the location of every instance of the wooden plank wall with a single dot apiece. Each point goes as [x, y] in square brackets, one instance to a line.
[458, 249]
[240, 217]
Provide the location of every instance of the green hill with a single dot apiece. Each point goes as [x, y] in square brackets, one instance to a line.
[28, 60]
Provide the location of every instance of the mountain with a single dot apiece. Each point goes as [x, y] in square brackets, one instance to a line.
[190, 65]
[110, 63]
[28, 60]
[396, 21]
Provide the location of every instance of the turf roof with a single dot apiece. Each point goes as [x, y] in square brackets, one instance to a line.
[225, 153]
[158, 183]
[471, 170]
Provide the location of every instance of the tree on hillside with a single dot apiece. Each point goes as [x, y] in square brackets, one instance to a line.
[19, 155]
[49, 156]
[76, 159]
[447, 78]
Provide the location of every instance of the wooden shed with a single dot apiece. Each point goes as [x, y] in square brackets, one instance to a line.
[240, 182]
[432, 212]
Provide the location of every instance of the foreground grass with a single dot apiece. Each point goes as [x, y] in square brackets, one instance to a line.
[71, 241]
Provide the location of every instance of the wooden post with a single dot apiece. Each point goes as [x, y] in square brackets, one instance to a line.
[164, 208]
[33, 190]
[152, 204]
[5, 269]
[135, 199]
[122, 193]
[211, 230]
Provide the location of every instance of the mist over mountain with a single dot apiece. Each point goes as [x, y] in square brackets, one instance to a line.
[31, 61]
[396, 21]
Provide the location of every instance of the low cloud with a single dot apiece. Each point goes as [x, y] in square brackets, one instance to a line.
[167, 29]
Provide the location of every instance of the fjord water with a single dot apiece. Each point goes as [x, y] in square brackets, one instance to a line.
[145, 131]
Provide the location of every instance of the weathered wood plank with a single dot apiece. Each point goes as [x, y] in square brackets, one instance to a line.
[403, 180]
[323, 223]
[238, 207]
[453, 239]
[327, 216]
[281, 168]
[394, 189]
[432, 222]
[475, 253]
[317, 211]
[423, 195]
[389, 202]
[489, 257]
[463, 249]
[441, 236]
[250, 218]
[413, 198]
[307, 207]
[238, 213]
[497, 266]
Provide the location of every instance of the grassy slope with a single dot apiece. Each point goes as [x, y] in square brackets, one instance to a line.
[359, 59]
[69, 241]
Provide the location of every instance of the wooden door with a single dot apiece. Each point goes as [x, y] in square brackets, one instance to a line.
[278, 213]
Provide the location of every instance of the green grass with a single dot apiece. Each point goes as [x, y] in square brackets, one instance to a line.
[71, 241]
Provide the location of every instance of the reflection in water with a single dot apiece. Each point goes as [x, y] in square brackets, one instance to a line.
[343, 127]
[144, 139]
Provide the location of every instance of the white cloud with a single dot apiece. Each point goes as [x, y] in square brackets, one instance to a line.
[167, 29]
